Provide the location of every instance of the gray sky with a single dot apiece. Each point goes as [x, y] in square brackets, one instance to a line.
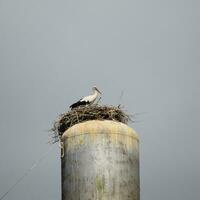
[52, 52]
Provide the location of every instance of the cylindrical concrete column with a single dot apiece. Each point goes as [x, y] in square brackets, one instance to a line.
[101, 162]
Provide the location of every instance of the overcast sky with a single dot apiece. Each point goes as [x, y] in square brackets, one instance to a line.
[53, 52]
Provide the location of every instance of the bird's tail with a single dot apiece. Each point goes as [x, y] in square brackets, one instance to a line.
[79, 103]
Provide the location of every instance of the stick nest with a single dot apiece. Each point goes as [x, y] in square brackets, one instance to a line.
[86, 113]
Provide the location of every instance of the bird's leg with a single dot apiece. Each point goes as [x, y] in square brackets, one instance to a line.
[98, 100]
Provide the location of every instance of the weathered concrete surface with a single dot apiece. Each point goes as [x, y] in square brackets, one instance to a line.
[101, 162]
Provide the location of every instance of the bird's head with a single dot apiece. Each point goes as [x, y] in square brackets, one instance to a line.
[96, 89]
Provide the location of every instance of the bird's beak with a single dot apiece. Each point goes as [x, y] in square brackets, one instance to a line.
[98, 91]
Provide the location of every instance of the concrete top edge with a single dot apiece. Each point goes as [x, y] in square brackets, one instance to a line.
[100, 127]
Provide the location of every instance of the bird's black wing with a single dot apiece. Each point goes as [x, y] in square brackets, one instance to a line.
[79, 103]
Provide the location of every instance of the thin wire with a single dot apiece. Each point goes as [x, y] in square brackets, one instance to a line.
[121, 96]
[27, 172]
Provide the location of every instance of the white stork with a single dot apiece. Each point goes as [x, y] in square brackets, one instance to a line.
[88, 100]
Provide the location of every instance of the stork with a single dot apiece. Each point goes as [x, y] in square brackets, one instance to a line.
[88, 100]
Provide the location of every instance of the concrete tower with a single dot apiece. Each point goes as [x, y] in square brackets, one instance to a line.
[101, 162]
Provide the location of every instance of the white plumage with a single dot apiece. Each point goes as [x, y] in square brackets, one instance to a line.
[88, 99]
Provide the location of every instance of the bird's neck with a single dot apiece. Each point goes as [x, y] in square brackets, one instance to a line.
[95, 93]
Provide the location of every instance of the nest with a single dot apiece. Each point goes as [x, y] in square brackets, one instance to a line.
[86, 113]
